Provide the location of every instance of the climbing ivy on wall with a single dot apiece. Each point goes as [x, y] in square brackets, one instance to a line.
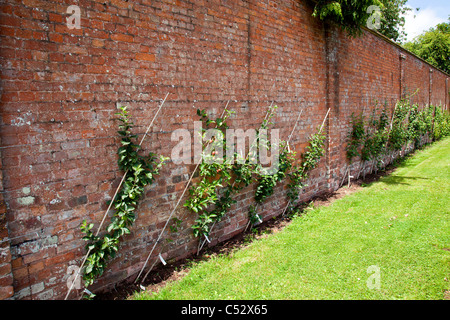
[266, 182]
[287, 169]
[212, 196]
[376, 136]
[441, 126]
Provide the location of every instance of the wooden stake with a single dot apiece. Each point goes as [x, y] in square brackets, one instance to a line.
[349, 177]
[323, 123]
[343, 178]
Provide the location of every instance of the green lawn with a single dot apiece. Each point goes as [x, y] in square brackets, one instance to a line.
[400, 225]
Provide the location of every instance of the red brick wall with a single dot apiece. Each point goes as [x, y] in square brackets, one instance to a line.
[6, 278]
[61, 87]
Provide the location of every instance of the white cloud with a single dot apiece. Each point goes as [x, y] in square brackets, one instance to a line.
[418, 22]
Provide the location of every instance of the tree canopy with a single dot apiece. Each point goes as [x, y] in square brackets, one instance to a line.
[349, 15]
[393, 19]
[386, 16]
[433, 46]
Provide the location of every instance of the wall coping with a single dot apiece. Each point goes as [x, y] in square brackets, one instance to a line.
[383, 37]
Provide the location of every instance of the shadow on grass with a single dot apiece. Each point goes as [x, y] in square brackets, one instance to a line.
[387, 174]
[401, 180]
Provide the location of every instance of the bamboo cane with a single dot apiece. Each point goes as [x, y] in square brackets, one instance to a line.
[320, 131]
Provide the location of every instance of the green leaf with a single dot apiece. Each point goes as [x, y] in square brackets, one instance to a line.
[89, 268]
[141, 173]
[125, 143]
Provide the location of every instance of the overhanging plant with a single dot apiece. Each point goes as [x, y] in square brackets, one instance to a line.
[349, 15]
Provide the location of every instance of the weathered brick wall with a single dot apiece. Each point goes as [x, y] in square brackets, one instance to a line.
[6, 278]
[61, 88]
[374, 72]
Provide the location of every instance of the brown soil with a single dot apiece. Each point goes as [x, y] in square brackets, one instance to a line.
[161, 275]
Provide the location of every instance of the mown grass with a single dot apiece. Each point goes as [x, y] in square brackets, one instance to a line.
[400, 224]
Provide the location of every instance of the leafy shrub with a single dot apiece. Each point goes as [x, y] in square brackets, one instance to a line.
[355, 136]
[441, 124]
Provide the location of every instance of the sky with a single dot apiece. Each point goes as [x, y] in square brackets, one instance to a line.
[431, 13]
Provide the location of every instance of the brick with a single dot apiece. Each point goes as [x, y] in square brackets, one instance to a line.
[56, 37]
[98, 43]
[26, 96]
[4, 270]
[98, 69]
[122, 37]
[145, 57]
[54, 17]
[37, 35]
[120, 4]
[73, 145]
[6, 292]
[59, 98]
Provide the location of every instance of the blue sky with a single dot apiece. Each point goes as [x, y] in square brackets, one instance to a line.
[430, 14]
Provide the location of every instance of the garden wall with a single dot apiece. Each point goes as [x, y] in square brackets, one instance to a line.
[61, 88]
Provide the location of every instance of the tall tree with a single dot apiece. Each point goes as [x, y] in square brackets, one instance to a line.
[433, 46]
[393, 19]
